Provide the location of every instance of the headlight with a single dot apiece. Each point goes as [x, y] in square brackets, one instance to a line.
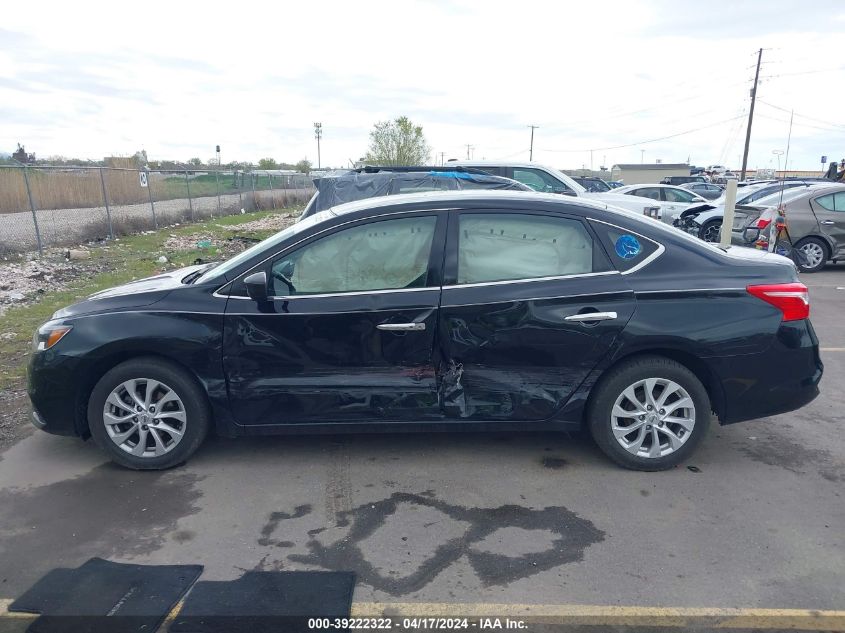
[48, 335]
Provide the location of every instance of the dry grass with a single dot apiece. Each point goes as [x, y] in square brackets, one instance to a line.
[66, 189]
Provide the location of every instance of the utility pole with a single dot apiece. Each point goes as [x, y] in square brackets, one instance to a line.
[751, 115]
[318, 134]
[642, 156]
[469, 147]
[531, 150]
[442, 158]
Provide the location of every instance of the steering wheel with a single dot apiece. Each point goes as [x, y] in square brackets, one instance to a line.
[284, 279]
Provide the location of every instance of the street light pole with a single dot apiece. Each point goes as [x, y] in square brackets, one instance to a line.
[318, 134]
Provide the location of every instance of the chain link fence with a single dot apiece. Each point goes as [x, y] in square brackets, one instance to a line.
[46, 206]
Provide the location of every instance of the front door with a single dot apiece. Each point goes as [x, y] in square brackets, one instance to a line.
[348, 332]
[530, 306]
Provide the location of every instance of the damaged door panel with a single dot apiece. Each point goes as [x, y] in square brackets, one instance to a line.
[517, 348]
[347, 333]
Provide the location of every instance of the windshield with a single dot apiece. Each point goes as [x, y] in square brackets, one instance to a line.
[219, 273]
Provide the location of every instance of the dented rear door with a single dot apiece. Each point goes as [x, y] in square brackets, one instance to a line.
[517, 348]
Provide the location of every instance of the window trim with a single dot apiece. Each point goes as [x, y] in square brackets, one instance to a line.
[657, 253]
[441, 214]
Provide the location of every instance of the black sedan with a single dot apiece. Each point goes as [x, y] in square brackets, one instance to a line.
[437, 311]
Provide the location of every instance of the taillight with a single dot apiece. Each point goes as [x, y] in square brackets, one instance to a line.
[791, 299]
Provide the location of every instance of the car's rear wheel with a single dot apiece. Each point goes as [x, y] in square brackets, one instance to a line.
[649, 413]
[148, 414]
[814, 253]
[711, 230]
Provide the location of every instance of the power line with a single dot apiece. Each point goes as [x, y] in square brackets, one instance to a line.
[802, 116]
[653, 140]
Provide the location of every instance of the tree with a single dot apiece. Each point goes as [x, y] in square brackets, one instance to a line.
[398, 142]
[303, 166]
[196, 162]
[268, 163]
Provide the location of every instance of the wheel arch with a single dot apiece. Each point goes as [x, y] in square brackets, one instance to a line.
[105, 364]
[693, 363]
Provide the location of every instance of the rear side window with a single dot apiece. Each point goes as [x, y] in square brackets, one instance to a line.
[625, 248]
[502, 247]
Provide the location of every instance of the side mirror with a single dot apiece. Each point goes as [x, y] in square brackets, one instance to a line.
[256, 286]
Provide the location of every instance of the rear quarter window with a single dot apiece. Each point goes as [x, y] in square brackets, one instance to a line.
[626, 249]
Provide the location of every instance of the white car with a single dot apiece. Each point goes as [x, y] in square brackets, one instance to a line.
[672, 200]
[550, 180]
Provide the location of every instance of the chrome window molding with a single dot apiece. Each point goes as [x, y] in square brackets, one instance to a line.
[503, 282]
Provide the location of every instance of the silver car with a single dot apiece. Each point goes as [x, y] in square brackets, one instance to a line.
[814, 218]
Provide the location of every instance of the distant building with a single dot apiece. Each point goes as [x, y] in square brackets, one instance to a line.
[647, 173]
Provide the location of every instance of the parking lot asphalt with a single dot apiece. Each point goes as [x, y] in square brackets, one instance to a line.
[754, 520]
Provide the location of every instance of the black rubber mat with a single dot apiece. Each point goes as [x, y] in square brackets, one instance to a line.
[264, 601]
[104, 596]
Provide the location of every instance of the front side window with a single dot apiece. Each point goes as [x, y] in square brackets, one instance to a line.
[501, 247]
[383, 255]
[539, 180]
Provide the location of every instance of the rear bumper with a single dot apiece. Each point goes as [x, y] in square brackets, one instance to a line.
[783, 378]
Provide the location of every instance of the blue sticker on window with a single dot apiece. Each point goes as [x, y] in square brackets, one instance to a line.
[628, 247]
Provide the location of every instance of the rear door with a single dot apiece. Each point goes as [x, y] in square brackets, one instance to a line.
[530, 306]
[830, 212]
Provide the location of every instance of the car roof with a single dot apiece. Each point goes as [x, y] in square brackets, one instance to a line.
[461, 197]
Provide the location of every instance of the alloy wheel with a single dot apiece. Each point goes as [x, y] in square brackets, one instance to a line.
[144, 417]
[653, 417]
[711, 232]
[814, 252]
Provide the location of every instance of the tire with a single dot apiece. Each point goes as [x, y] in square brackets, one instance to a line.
[173, 421]
[710, 230]
[815, 254]
[610, 392]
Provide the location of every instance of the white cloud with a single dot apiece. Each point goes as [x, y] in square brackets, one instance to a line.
[177, 78]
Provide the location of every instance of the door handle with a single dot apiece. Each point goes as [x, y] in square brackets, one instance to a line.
[591, 316]
[828, 222]
[401, 327]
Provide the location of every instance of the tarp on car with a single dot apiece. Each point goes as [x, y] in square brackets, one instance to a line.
[339, 188]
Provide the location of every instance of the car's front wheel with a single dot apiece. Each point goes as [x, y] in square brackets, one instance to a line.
[711, 231]
[649, 413]
[148, 414]
[814, 254]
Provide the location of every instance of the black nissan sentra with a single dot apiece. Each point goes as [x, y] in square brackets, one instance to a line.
[437, 311]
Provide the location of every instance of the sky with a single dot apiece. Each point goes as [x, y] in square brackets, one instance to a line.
[95, 79]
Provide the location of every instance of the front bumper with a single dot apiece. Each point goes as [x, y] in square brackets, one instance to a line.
[783, 378]
[53, 383]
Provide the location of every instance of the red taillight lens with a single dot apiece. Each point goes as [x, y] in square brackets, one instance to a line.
[791, 299]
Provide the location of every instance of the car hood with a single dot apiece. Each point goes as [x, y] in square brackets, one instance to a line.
[135, 294]
[622, 200]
